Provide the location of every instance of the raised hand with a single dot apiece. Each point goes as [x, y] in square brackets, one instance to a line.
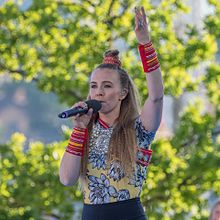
[141, 26]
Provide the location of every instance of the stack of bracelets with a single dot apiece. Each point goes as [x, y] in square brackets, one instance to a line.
[77, 141]
[148, 57]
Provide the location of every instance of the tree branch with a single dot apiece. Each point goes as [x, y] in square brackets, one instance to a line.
[111, 19]
[51, 215]
[74, 94]
[92, 4]
[22, 72]
[157, 198]
[110, 8]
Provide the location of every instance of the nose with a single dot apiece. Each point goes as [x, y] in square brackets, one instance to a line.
[99, 92]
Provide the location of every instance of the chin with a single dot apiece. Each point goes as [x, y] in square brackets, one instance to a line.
[104, 111]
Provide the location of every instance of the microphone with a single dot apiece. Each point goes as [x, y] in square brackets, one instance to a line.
[94, 104]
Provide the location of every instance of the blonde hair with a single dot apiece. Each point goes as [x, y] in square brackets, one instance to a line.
[122, 145]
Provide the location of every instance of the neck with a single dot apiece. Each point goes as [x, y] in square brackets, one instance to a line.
[109, 118]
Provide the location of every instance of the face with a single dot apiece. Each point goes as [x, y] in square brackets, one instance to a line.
[105, 87]
[216, 213]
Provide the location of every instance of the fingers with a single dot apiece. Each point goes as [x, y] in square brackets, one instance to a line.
[140, 17]
[90, 112]
[80, 104]
[82, 120]
[136, 22]
[140, 13]
[144, 14]
[137, 15]
[84, 116]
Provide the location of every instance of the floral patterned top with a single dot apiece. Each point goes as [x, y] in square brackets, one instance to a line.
[104, 185]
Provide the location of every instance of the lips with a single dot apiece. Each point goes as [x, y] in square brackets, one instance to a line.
[100, 101]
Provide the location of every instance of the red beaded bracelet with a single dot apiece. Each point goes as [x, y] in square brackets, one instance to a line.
[77, 141]
[148, 57]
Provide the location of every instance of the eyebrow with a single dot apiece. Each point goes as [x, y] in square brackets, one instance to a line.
[102, 82]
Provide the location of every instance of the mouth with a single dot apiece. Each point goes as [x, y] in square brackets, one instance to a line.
[100, 101]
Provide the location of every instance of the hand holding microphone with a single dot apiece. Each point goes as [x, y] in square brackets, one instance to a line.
[82, 111]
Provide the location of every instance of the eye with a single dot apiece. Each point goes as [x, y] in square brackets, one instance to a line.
[108, 86]
[93, 86]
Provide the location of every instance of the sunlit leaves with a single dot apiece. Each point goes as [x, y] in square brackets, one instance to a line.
[212, 22]
[51, 43]
[58, 44]
[183, 168]
[29, 181]
[212, 83]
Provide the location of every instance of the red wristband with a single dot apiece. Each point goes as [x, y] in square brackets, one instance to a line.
[148, 56]
[77, 141]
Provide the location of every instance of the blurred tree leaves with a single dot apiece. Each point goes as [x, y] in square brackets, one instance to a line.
[30, 187]
[184, 168]
[57, 44]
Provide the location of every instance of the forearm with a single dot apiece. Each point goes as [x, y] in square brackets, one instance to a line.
[152, 111]
[155, 85]
[71, 161]
[151, 67]
[69, 169]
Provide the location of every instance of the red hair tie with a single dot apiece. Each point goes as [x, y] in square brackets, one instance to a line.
[112, 60]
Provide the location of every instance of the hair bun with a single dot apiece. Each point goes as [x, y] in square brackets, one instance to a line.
[111, 57]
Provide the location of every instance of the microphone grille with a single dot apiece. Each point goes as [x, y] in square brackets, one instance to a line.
[94, 104]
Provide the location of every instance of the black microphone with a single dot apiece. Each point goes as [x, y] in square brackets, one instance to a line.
[94, 104]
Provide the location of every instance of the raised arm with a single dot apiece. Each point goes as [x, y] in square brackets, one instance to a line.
[152, 111]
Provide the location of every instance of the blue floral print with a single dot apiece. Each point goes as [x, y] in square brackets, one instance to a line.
[97, 160]
[139, 177]
[144, 137]
[123, 195]
[116, 172]
[101, 191]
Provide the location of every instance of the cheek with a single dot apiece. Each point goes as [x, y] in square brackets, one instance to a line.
[113, 96]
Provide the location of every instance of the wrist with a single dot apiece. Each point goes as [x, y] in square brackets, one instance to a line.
[80, 128]
[148, 56]
[79, 125]
[77, 141]
[143, 42]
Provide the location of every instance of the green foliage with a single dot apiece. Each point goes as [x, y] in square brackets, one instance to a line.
[212, 83]
[57, 44]
[183, 168]
[212, 77]
[30, 187]
[212, 21]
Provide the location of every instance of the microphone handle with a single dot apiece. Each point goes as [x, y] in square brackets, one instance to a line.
[72, 112]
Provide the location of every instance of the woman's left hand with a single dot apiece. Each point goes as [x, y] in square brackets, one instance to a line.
[141, 26]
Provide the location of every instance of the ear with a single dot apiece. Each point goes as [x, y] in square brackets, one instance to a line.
[124, 93]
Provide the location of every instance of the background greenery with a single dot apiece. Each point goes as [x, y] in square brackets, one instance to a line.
[56, 44]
